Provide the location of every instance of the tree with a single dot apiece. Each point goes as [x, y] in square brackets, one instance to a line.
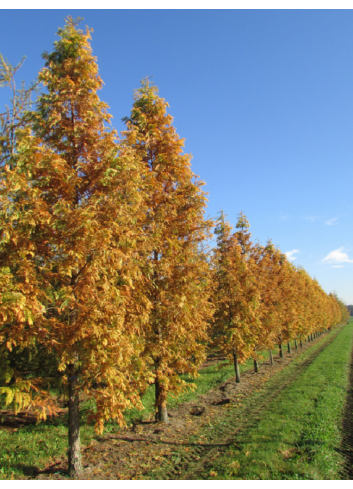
[19, 364]
[236, 325]
[269, 274]
[69, 214]
[175, 264]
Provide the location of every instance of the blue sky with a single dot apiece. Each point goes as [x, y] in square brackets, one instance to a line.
[263, 99]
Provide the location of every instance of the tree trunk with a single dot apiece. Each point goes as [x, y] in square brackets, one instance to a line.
[161, 404]
[312, 338]
[289, 347]
[280, 350]
[309, 338]
[75, 465]
[236, 366]
[295, 344]
[256, 363]
[271, 357]
[301, 343]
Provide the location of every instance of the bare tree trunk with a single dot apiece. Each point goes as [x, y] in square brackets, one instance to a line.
[256, 363]
[280, 350]
[161, 404]
[236, 366]
[271, 357]
[309, 338]
[289, 347]
[296, 344]
[301, 343]
[75, 465]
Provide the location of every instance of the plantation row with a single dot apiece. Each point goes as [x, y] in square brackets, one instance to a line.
[107, 284]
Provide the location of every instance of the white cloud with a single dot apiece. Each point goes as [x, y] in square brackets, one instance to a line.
[289, 254]
[337, 256]
[332, 221]
[311, 218]
[337, 266]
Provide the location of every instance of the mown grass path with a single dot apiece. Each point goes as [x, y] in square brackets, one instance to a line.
[289, 429]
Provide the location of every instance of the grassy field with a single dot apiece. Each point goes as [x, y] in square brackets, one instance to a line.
[291, 429]
[24, 449]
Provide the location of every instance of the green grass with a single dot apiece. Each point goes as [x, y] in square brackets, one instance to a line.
[36, 446]
[298, 434]
[309, 428]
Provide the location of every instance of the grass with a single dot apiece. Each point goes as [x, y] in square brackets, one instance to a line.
[35, 446]
[298, 434]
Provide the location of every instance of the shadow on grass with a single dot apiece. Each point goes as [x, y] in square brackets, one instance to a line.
[346, 448]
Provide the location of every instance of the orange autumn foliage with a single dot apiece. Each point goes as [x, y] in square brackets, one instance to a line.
[69, 235]
[175, 267]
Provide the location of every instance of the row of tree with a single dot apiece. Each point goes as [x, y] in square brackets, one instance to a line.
[261, 299]
[107, 285]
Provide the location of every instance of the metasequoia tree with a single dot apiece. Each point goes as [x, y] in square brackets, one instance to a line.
[175, 265]
[269, 283]
[225, 260]
[250, 309]
[286, 312]
[20, 363]
[305, 311]
[236, 323]
[69, 214]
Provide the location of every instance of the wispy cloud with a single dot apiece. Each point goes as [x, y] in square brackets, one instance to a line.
[337, 266]
[283, 216]
[311, 218]
[332, 221]
[289, 254]
[337, 256]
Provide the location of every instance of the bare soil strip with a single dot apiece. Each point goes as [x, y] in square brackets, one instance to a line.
[177, 450]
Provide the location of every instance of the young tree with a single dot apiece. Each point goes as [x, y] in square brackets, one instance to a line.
[236, 325]
[69, 214]
[250, 305]
[269, 274]
[175, 264]
[19, 364]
